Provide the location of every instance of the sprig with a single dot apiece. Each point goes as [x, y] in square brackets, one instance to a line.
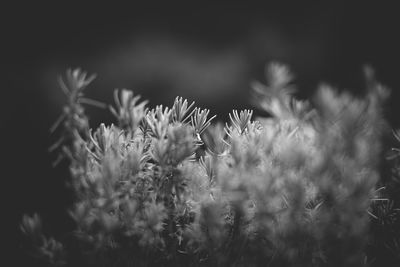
[157, 121]
[74, 120]
[181, 111]
[239, 121]
[73, 86]
[200, 121]
[129, 111]
[276, 96]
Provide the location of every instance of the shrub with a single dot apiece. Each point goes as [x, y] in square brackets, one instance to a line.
[166, 187]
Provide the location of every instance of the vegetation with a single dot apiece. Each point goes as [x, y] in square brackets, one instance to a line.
[307, 186]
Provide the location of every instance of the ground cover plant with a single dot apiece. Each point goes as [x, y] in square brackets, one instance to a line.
[311, 185]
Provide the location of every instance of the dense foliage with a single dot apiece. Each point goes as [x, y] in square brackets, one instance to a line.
[166, 187]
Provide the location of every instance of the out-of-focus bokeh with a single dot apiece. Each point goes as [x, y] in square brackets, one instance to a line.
[206, 53]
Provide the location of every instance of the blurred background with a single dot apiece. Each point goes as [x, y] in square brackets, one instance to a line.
[206, 53]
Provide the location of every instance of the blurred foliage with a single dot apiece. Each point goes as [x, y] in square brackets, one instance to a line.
[166, 187]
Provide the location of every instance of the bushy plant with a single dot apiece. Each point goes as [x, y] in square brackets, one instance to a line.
[166, 187]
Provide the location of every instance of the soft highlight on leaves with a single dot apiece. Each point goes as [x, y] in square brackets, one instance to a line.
[166, 187]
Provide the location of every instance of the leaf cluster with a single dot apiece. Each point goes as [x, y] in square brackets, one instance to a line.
[166, 187]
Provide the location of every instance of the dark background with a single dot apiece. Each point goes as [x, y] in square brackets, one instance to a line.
[207, 53]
